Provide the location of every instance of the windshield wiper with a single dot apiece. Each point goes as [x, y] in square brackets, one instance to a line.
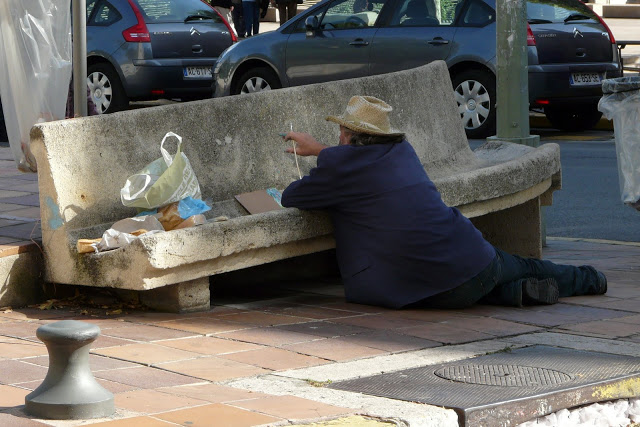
[576, 17]
[539, 21]
[197, 18]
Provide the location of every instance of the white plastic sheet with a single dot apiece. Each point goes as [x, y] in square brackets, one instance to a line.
[35, 68]
[621, 102]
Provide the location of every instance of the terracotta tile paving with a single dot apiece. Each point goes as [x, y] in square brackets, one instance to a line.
[580, 312]
[35, 314]
[151, 401]
[213, 368]
[427, 315]
[445, 333]
[97, 363]
[324, 329]
[209, 345]
[491, 326]
[145, 333]
[104, 341]
[275, 359]
[378, 321]
[12, 348]
[538, 318]
[203, 325]
[391, 341]
[11, 420]
[334, 349]
[136, 421]
[604, 328]
[628, 304]
[11, 396]
[292, 408]
[145, 377]
[633, 319]
[148, 354]
[19, 329]
[16, 372]
[269, 336]
[256, 318]
[310, 312]
[213, 393]
[224, 415]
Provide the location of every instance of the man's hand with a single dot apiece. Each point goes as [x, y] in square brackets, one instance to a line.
[306, 145]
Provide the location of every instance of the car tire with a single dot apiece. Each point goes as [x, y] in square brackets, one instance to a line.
[475, 93]
[257, 80]
[107, 92]
[573, 119]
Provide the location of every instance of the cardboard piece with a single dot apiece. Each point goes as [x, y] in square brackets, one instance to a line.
[260, 201]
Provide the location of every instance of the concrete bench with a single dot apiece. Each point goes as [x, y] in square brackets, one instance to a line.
[234, 147]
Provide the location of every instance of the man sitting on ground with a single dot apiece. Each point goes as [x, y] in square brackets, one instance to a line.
[397, 243]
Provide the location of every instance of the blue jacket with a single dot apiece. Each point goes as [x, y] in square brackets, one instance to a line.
[396, 241]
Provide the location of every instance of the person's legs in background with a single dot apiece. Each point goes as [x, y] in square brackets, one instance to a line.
[238, 19]
[292, 9]
[256, 18]
[248, 8]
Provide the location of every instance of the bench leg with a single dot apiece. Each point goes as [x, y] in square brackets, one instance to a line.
[515, 230]
[182, 297]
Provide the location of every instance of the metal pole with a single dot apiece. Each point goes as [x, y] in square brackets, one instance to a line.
[79, 15]
[512, 81]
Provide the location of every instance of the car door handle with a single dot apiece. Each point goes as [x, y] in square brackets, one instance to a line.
[359, 42]
[438, 41]
[196, 48]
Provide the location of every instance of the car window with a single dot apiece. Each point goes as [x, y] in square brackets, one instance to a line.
[105, 14]
[476, 14]
[559, 11]
[421, 13]
[157, 11]
[348, 14]
[90, 5]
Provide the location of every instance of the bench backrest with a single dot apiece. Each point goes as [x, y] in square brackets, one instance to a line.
[233, 142]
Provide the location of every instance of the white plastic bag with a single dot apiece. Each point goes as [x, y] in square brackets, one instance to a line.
[621, 102]
[163, 181]
[35, 68]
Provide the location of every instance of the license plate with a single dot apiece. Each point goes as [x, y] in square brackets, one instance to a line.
[583, 79]
[197, 72]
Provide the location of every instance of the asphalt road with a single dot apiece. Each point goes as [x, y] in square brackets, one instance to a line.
[589, 205]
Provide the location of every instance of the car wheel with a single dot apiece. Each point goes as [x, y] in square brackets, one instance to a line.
[572, 118]
[475, 93]
[257, 80]
[106, 90]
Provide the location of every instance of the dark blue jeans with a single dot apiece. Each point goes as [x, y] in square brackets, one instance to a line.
[251, 13]
[500, 283]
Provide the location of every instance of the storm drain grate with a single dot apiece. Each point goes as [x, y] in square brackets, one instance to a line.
[503, 375]
[508, 388]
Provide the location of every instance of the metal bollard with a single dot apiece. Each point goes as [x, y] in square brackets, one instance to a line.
[69, 391]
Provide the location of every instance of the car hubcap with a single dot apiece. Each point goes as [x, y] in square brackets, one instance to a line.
[474, 103]
[255, 84]
[101, 91]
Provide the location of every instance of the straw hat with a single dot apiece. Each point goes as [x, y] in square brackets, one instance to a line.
[366, 114]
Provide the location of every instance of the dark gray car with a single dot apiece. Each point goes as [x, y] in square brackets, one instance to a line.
[148, 49]
[570, 51]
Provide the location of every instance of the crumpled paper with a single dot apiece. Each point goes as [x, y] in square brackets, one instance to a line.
[121, 233]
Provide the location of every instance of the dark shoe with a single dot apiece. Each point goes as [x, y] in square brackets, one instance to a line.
[600, 287]
[543, 291]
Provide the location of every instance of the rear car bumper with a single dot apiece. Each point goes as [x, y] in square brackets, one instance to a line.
[551, 83]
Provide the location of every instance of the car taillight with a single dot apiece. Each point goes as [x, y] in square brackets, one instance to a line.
[139, 33]
[233, 35]
[531, 40]
[604, 24]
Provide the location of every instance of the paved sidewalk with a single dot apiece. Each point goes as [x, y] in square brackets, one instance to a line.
[262, 354]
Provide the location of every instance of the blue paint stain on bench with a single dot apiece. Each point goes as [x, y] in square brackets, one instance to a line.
[56, 220]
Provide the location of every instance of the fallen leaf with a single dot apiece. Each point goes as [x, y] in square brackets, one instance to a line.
[118, 311]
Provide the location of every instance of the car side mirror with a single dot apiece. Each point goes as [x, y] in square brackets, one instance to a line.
[311, 25]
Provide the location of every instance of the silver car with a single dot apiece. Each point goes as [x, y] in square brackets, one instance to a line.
[148, 49]
[570, 51]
